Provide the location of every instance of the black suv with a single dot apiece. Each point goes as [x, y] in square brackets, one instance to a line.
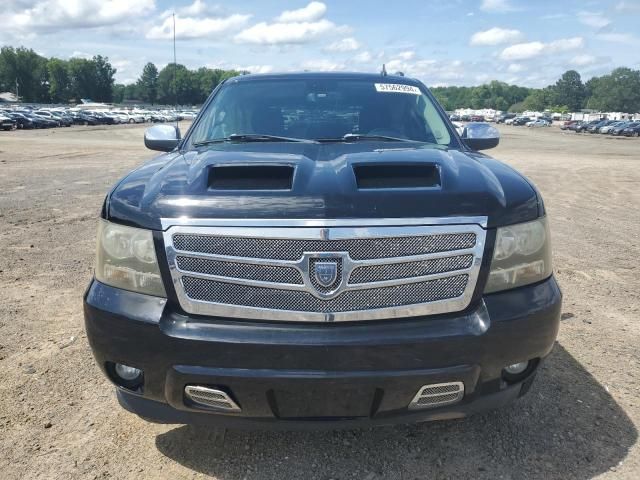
[321, 249]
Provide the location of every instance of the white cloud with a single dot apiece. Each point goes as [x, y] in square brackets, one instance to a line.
[406, 55]
[496, 6]
[50, 15]
[348, 44]
[583, 60]
[79, 54]
[198, 7]
[191, 27]
[495, 36]
[287, 33]
[594, 19]
[525, 51]
[300, 26]
[515, 68]
[256, 68]
[312, 12]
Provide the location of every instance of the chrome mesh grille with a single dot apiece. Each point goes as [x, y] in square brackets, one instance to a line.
[211, 397]
[353, 300]
[272, 273]
[390, 271]
[265, 273]
[359, 249]
[438, 394]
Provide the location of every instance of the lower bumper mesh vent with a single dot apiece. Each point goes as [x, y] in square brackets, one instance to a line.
[437, 394]
[211, 397]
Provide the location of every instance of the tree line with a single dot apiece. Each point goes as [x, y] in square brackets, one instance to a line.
[54, 80]
[618, 91]
[51, 80]
[175, 83]
[38, 79]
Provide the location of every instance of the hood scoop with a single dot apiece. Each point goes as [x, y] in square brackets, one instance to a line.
[396, 175]
[251, 177]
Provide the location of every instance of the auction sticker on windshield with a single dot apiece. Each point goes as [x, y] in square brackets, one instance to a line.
[397, 88]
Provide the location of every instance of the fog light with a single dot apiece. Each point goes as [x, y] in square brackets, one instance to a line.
[125, 372]
[516, 368]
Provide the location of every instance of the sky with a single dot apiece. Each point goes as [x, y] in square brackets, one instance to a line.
[441, 42]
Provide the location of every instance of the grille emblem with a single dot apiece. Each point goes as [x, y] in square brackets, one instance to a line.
[326, 273]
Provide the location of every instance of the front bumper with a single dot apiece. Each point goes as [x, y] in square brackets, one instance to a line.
[286, 375]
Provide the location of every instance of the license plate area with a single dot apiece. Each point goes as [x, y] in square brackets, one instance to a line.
[322, 399]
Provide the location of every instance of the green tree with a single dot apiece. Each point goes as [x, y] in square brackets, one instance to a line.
[540, 100]
[118, 92]
[148, 83]
[617, 92]
[26, 68]
[59, 84]
[570, 90]
[104, 74]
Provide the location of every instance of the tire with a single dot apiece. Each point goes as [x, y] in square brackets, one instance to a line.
[131, 120]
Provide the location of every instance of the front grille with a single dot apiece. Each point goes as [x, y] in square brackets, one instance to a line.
[359, 249]
[265, 273]
[352, 300]
[391, 271]
[324, 274]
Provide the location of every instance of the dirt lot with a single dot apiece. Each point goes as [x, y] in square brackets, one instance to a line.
[59, 417]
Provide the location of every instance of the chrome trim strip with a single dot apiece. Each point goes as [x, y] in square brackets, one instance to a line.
[313, 233]
[329, 222]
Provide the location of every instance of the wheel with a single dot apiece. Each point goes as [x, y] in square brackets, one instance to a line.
[85, 123]
[131, 120]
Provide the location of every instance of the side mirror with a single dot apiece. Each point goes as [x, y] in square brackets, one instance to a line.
[480, 136]
[162, 137]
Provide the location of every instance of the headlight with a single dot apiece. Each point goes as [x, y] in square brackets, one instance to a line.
[126, 259]
[522, 255]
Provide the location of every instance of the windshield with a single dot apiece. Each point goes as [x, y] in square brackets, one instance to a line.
[321, 110]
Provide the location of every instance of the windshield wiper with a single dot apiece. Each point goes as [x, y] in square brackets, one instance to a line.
[251, 137]
[356, 137]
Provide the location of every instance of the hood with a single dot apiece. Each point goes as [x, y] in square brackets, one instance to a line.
[322, 181]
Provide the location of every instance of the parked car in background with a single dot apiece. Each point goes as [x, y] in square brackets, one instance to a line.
[567, 124]
[454, 118]
[22, 121]
[607, 128]
[6, 122]
[618, 129]
[39, 122]
[504, 117]
[596, 128]
[81, 118]
[519, 121]
[632, 130]
[49, 121]
[575, 125]
[538, 123]
[477, 118]
[585, 125]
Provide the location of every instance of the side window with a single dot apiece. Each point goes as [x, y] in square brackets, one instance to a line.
[435, 122]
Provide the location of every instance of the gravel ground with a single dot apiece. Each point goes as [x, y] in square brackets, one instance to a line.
[59, 417]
